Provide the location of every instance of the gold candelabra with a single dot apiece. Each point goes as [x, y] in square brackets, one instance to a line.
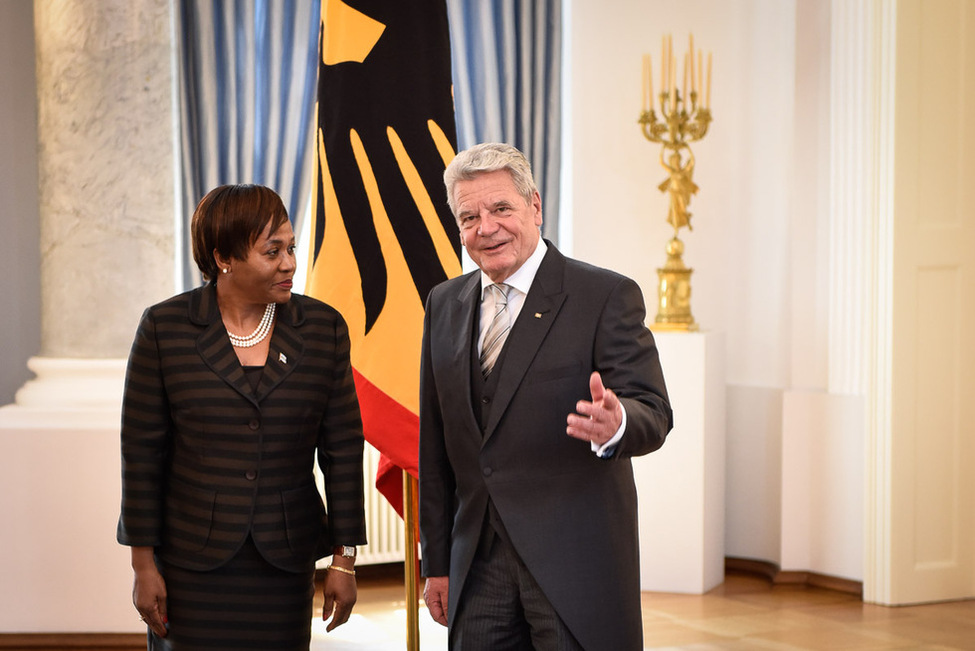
[685, 114]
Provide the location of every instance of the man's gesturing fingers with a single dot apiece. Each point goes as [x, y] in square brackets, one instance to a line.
[596, 421]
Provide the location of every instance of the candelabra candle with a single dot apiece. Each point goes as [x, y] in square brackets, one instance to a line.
[684, 118]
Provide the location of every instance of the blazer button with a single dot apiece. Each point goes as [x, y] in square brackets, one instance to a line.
[485, 400]
[487, 471]
[251, 475]
[254, 424]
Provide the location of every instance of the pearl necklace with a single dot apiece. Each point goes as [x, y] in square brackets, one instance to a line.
[256, 337]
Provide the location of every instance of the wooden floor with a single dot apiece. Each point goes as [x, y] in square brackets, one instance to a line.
[745, 612]
[748, 612]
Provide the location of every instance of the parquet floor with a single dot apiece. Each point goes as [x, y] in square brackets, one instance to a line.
[748, 612]
[745, 612]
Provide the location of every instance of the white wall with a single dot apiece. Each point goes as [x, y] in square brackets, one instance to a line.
[741, 213]
[759, 244]
[823, 464]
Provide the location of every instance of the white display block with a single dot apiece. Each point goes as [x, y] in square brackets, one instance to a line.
[681, 486]
[61, 570]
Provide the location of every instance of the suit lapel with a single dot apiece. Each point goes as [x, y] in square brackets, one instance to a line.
[542, 305]
[462, 321]
[286, 350]
[214, 344]
[218, 354]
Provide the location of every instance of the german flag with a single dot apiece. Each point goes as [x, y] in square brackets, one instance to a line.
[384, 235]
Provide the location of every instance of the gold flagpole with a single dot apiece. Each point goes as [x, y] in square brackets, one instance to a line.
[410, 568]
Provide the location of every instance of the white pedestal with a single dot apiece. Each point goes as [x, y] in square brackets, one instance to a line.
[60, 488]
[681, 486]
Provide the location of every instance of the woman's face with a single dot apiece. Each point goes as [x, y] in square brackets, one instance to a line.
[265, 275]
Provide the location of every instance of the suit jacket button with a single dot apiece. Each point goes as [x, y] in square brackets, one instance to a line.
[251, 475]
[487, 471]
[254, 424]
[485, 400]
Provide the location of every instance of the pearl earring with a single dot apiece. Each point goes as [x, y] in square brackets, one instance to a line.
[225, 270]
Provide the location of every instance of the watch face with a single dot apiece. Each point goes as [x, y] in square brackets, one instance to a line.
[347, 551]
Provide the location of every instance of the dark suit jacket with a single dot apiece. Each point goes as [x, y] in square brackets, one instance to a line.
[571, 516]
[206, 460]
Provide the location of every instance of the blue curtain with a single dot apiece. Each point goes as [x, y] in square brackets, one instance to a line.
[507, 66]
[248, 79]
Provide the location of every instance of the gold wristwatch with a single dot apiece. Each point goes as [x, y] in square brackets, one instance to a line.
[345, 551]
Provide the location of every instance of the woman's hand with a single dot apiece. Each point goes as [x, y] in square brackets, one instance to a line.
[149, 590]
[340, 595]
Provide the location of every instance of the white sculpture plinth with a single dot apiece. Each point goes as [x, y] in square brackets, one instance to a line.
[60, 490]
[681, 486]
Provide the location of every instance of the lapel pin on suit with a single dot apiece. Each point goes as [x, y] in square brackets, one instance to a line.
[538, 315]
[283, 358]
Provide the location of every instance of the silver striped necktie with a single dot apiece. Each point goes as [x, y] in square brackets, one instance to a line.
[497, 331]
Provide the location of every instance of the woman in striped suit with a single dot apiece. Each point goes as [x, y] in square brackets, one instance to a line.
[232, 389]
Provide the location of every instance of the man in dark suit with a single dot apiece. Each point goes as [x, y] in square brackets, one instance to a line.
[533, 398]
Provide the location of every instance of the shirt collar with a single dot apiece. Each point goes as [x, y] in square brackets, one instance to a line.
[522, 278]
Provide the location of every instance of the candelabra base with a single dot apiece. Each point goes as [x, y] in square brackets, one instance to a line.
[674, 292]
[658, 326]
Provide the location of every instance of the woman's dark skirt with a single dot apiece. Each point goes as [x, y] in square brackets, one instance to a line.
[246, 604]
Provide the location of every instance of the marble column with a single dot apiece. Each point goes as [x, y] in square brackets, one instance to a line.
[108, 215]
[107, 195]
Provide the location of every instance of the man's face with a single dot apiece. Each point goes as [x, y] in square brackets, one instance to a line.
[498, 228]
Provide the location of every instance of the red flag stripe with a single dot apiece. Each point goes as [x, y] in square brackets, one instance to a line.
[392, 429]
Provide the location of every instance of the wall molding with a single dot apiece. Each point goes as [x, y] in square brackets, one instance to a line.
[70, 641]
[776, 576]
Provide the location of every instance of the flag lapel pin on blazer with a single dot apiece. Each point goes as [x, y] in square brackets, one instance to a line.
[283, 358]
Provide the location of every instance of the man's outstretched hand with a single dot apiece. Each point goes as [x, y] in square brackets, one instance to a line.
[597, 420]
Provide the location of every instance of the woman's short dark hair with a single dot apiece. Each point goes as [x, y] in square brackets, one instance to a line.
[229, 219]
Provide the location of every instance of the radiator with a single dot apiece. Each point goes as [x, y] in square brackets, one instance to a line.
[384, 528]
